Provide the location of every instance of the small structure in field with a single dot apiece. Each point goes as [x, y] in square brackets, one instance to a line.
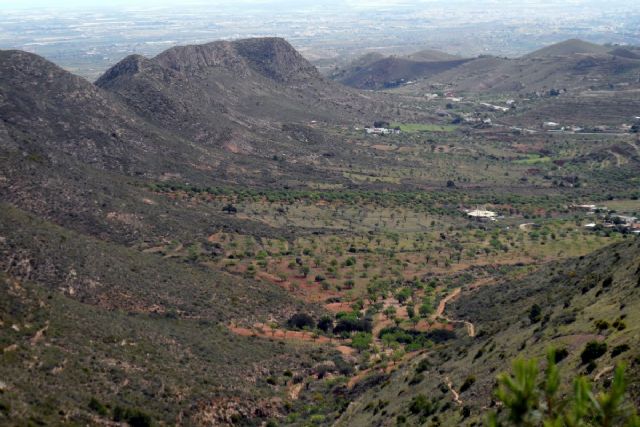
[381, 131]
[587, 207]
[381, 127]
[482, 215]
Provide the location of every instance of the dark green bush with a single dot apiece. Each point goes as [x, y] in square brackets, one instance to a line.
[535, 313]
[134, 417]
[619, 349]
[468, 382]
[300, 321]
[592, 351]
[97, 407]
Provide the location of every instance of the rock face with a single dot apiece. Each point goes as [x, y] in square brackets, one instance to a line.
[214, 93]
[129, 66]
[49, 111]
[270, 57]
[276, 59]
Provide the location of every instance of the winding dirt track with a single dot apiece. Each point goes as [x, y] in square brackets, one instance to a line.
[456, 396]
[471, 329]
[443, 303]
[265, 331]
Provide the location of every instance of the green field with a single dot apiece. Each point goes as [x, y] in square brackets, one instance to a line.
[533, 159]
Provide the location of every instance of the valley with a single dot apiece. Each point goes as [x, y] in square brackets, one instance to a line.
[221, 235]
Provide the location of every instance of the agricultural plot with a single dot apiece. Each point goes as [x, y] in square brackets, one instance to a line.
[385, 268]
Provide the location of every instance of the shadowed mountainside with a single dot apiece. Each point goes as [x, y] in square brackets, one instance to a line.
[571, 64]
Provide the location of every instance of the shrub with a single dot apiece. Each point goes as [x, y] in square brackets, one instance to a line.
[134, 417]
[317, 419]
[619, 349]
[592, 351]
[535, 313]
[468, 382]
[348, 324]
[423, 366]
[465, 412]
[97, 407]
[561, 354]
[421, 405]
[619, 325]
[361, 341]
[418, 403]
[343, 367]
[300, 321]
[325, 323]
[417, 379]
[425, 309]
[602, 325]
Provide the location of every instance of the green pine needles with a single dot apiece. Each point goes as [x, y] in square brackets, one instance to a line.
[525, 402]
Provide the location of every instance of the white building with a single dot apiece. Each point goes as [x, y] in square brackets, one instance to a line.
[381, 131]
[482, 214]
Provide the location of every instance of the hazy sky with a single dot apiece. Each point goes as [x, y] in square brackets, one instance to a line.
[19, 4]
[91, 4]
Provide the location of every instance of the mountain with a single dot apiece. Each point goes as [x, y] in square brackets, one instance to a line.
[431, 55]
[572, 65]
[93, 318]
[51, 113]
[374, 71]
[568, 47]
[210, 114]
[458, 376]
[230, 93]
[626, 52]
[477, 75]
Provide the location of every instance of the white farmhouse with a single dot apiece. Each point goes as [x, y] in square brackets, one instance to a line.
[482, 214]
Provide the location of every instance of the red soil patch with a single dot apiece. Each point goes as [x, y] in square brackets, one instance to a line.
[264, 331]
[336, 307]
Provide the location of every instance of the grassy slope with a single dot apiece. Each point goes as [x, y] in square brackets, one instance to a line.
[163, 365]
[128, 328]
[113, 276]
[500, 314]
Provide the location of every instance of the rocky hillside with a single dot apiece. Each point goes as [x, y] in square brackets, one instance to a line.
[374, 71]
[227, 92]
[569, 47]
[51, 113]
[566, 305]
[571, 65]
